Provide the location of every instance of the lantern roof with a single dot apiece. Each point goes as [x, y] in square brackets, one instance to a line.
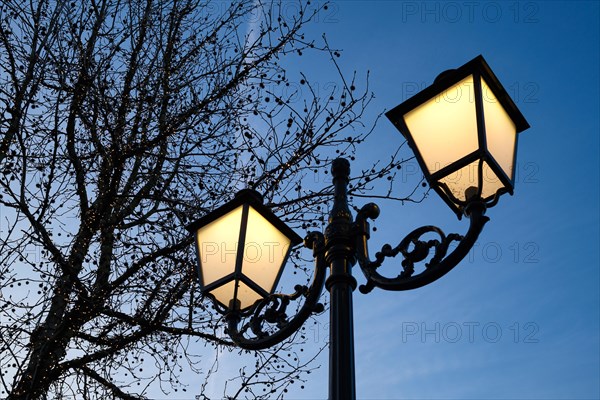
[254, 199]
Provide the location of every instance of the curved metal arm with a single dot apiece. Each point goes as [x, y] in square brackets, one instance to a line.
[438, 266]
[271, 310]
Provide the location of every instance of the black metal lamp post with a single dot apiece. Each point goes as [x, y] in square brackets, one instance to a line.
[463, 130]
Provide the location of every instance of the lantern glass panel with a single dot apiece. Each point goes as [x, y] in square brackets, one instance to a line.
[265, 249]
[445, 127]
[225, 293]
[246, 296]
[459, 181]
[501, 132]
[217, 246]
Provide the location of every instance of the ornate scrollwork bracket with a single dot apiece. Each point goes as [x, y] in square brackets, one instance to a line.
[415, 250]
[268, 323]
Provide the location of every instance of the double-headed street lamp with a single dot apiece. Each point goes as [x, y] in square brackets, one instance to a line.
[463, 130]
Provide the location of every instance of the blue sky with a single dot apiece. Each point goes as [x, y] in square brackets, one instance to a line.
[519, 318]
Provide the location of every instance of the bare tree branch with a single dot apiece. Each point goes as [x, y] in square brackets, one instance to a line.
[120, 122]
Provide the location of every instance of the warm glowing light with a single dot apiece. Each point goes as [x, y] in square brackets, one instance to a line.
[217, 246]
[242, 248]
[265, 249]
[500, 130]
[445, 127]
[463, 130]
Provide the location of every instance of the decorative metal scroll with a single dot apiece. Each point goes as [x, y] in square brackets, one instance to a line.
[415, 250]
[420, 250]
[268, 322]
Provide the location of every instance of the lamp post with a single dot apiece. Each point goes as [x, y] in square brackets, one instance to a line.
[463, 130]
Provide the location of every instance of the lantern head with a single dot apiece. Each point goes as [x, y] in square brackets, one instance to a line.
[463, 130]
[242, 248]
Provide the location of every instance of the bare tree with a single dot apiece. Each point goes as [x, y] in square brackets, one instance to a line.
[122, 120]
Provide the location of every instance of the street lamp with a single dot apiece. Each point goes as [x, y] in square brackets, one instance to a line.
[463, 130]
[242, 248]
